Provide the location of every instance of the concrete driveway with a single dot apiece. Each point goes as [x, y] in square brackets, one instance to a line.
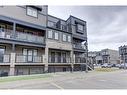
[76, 80]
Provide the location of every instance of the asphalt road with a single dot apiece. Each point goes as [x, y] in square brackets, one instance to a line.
[77, 80]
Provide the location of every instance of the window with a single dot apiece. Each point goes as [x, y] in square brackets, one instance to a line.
[64, 37]
[56, 36]
[50, 33]
[69, 38]
[51, 24]
[32, 12]
[80, 27]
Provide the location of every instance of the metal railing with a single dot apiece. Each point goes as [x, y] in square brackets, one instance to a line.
[5, 58]
[7, 34]
[78, 46]
[29, 37]
[80, 60]
[28, 59]
[59, 60]
[57, 26]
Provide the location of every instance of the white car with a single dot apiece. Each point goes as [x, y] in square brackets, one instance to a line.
[123, 65]
[106, 65]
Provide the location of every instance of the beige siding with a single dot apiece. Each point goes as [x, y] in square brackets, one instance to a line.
[20, 14]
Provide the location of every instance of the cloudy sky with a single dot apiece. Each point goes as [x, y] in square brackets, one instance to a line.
[106, 25]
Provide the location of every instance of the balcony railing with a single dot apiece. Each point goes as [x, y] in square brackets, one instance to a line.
[29, 37]
[57, 25]
[80, 60]
[5, 58]
[78, 46]
[28, 59]
[7, 34]
[59, 60]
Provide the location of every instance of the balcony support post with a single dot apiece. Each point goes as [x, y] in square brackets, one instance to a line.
[14, 29]
[46, 60]
[12, 64]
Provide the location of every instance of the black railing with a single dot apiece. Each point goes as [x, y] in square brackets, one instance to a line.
[59, 60]
[28, 59]
[5, 58]
[80, 60]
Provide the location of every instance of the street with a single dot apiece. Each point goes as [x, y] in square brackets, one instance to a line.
[76, 80]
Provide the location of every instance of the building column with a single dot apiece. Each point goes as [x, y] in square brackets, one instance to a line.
[72, 61]
[12, 64]
[46, 60]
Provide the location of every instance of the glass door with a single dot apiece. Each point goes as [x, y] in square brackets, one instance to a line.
[52, 57]
[30, 56]
[64, 57]
[2, 31]
[1, 54]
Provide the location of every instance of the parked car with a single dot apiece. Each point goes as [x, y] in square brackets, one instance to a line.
[118, 65]
[123, 65]
[106, 65]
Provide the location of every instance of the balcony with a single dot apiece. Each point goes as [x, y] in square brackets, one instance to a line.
[20, 36]
[79, 46]
[28, 59]
[59, 60]
[57, 25]
[5, 58]
[80, 60]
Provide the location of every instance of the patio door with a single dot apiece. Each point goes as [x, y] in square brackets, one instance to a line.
[64, 57]
[2, 30]
[1, 54]
[30, 56]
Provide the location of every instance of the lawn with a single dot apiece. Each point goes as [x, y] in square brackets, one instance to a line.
[24, 77]
[106, 69]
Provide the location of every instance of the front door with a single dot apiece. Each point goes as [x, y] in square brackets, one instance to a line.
[1, 54]
[30, 56]
[64, 57]
[2, 30]
[52, 57]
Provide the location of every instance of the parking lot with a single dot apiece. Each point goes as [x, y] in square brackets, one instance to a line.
[77, 80]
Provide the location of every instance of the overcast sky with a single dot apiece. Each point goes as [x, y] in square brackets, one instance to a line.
[106, 25]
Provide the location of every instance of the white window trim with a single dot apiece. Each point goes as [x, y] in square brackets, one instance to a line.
[56, 33]
[28, 9]
[65, 37]
[50, 36]
[68, 38]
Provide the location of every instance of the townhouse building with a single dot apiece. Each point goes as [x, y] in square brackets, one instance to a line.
[104, 56]
[123, 54]
[33, 42]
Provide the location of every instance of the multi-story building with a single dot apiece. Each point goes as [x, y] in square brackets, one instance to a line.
[123, 54]
[105, 56]
[31, 41]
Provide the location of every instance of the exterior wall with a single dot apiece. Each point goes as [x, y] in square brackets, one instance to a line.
[26, 70]
[19, 12]
[58, 45]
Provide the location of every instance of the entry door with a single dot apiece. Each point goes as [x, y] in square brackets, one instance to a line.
[59, 57]
[1, 54]
[52, 57]
[64, 57]
[30, 55]
[2, 30]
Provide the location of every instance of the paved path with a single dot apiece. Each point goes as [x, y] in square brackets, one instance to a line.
[77, 80]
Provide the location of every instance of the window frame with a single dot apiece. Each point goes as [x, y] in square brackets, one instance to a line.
[55, 35]
[63, 37]
[68, 38]
[32, 9]
[51, 34]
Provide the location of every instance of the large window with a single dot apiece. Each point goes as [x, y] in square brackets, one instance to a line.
[32, 12]
[50, 34]
[69, 38]
[64, 37]
[56, 36]
[2, 50]
[80, 27]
